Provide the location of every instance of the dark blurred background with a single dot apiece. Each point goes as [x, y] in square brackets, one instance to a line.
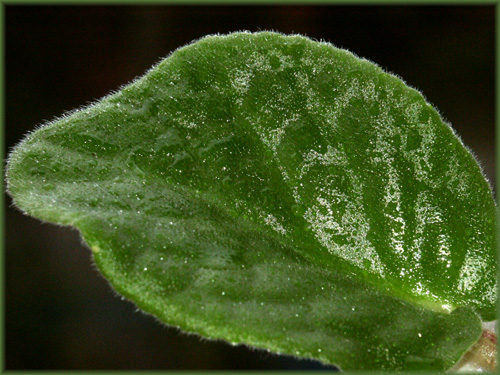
[59, 313]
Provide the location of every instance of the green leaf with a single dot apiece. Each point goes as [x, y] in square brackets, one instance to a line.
[279, 192]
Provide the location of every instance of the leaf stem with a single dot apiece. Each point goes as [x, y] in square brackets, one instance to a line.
[481, 357]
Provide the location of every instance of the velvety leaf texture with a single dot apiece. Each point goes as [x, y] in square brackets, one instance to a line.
[278, 192]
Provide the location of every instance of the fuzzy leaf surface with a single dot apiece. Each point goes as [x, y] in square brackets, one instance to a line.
[279, 192]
